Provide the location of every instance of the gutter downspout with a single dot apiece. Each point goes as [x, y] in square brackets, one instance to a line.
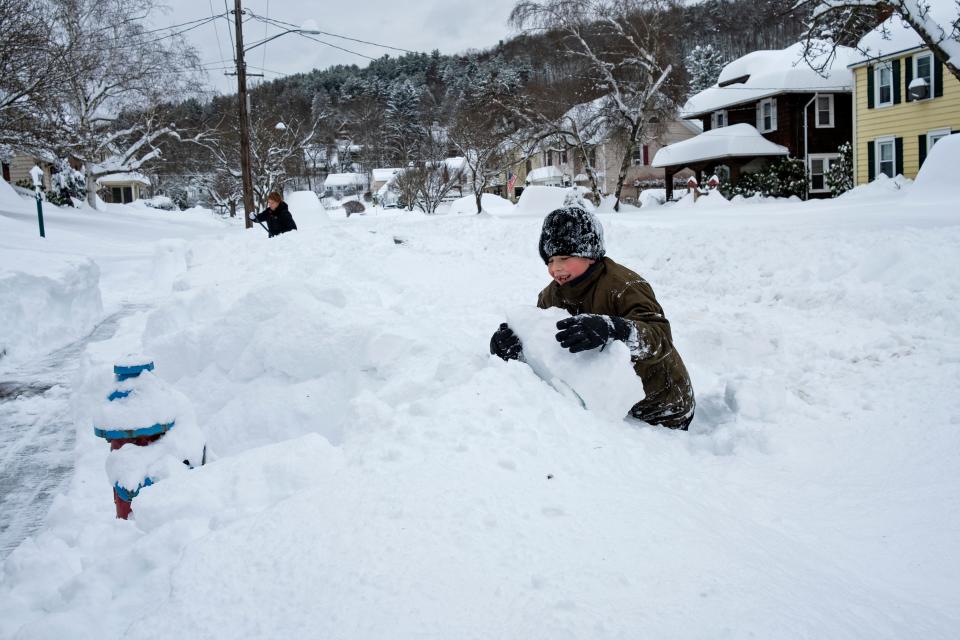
[806, 151]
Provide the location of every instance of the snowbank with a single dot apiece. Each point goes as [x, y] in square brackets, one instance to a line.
[10, 200]
[540, 201]
[381, 475]
[490, 202]
[306, 209]
[41, 313]
[936, 176]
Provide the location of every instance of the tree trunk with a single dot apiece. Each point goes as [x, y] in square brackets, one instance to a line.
[625, 163]
[91, 187]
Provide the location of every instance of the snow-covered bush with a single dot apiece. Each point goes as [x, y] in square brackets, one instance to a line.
[840, 177]
[782, 178]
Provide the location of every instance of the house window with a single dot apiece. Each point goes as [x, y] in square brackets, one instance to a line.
[563, 156]
[933, 136]
[767, 115]
[884, 84]
[886, 157]
[592, 156]
[922, 70]
[718, 119]
[820, 165]
[547, 159]
[529, 165]
[825, 111]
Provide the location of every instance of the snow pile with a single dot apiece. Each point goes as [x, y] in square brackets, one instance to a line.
[539, 200]
[939, 170]
[602, 381]
[381, 475]
[881, 187]
[41, 312]
[490, 202]
[10, 200]
[650, 198]
[306, 209]
[708, 200]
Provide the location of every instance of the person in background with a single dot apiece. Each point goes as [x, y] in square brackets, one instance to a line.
[276, 215]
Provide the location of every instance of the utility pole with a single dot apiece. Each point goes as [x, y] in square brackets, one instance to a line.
[244, 118]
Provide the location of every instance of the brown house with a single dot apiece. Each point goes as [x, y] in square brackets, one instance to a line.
[777, 94]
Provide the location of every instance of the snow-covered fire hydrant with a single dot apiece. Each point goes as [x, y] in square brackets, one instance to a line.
[156, 420]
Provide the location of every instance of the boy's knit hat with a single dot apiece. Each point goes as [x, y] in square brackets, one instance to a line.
[571, 231]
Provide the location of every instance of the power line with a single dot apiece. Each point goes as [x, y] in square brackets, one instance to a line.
[265, 29]
[216, 30]
[233, 47]
[336, 35]
[309, 37]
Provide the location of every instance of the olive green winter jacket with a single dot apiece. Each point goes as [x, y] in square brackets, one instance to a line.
[612, 289]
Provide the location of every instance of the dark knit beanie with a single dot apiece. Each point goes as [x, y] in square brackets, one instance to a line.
[571, 231]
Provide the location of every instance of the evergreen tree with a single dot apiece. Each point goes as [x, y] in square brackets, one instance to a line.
[704, 64]
[840, 177]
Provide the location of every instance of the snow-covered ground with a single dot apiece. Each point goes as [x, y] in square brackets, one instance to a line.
[377, 474]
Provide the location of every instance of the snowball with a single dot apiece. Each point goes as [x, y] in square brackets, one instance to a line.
[602, 381]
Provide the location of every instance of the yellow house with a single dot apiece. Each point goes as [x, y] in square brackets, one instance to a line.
[904, 101]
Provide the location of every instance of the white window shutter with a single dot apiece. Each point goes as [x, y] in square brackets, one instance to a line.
[760, 116]
[773, 114]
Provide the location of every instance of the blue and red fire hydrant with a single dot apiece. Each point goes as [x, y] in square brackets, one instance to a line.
[142, 411]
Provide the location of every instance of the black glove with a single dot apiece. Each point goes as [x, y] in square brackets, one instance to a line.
[589, 331]
[506, 344]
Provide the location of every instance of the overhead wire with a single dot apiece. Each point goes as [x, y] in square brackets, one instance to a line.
[334, 35]
[216, 31]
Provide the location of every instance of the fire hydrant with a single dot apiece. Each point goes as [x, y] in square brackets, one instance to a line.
[142, 411]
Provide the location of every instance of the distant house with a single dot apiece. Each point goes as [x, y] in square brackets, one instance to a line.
[904, 100]
[560, 161]
[121, 188]
[778, 96]
[341, 185]
[16, 168]
[382, 176]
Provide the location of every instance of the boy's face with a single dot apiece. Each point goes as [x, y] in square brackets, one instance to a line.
[273, 204]
[563, 269]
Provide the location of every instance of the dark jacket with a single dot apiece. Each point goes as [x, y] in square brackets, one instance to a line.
[611, 289]
[278, 220]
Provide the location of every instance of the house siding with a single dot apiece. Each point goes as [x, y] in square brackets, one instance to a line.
[908, 120]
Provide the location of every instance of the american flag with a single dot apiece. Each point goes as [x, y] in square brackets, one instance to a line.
[511, 180]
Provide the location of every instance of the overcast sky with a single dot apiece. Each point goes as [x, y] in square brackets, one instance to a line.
[453, 26]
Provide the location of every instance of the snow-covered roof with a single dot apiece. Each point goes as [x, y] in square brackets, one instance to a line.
[735, 141]
[117, 178]
[344, 179]
[895, 35]
[384, 174]
[589, 120]
[457, 163]
[761, 74]
[542, 174]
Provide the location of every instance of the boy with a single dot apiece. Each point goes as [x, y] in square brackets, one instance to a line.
[607, 302]
[276, 215]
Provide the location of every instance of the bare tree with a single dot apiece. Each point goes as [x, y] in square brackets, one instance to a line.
[276, 149]
[427, 183]
[114, 67]
[843, 22]
[626, 45]
[488, 147]
[30, 72]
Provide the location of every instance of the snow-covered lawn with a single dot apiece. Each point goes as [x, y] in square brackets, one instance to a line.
[378, 475]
